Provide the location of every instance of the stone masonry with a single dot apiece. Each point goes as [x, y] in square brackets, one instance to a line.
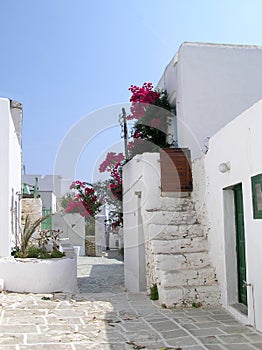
[177, 254]
[31, 207]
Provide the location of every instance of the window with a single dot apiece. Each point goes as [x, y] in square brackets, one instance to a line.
[257, 196]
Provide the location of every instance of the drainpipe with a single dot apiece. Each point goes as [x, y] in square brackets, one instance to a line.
[246, 284]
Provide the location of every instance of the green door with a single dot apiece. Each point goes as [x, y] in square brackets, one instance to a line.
[240, 244]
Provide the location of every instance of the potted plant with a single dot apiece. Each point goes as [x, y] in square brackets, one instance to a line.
[37, 265]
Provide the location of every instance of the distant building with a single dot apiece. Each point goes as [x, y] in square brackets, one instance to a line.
[52, 183]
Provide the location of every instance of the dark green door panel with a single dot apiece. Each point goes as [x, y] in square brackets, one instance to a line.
[240, 244]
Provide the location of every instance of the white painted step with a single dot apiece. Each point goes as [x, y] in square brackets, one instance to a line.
[189, 296]
[172, 218]
[180, 246]
[166, 232]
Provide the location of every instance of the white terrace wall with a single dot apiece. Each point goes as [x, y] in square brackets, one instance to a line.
[240, 145]
[10, 179]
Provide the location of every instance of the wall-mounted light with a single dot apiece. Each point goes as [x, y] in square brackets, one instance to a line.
[224, 167]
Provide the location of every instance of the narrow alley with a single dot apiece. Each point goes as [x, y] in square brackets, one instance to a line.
[102, 315]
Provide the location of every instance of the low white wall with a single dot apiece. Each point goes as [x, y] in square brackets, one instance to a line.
[240, 144]
[101, 236]
[73, 227]
[39, 276]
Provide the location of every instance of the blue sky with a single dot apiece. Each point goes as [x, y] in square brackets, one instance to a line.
[65, 60]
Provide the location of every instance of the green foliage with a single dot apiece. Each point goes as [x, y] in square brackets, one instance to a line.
[154, 292]
[57, 254]
[196, 305]
[65, 200]
[150, 130]
[27, 233]
[28, 249]
[40, 253]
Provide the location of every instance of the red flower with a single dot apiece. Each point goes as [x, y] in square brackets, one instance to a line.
[112, 160]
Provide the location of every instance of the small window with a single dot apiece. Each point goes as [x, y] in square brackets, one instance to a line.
[257, 196]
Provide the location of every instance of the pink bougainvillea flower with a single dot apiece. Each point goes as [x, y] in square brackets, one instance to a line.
[112, 159]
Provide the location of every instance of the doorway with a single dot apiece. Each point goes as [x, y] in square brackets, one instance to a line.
[240, 244]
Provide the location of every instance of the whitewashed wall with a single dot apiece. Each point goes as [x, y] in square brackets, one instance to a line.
[48, 200]
[211, 84]
[10, 180]
[141, 185]
[240, 144]
[73, 229]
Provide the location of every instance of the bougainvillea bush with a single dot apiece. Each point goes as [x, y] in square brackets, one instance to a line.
[150, 110]
[113, 164]
[85, 202]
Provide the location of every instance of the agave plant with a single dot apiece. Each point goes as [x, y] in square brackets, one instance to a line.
[28, 230]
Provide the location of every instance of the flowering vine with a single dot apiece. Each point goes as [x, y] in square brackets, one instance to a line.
[149, 109]
[85, 202]
[113, 165]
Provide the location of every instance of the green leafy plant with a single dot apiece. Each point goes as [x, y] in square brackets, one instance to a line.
[28, 248]
[154, 292]
[26, 235]
[196, 305]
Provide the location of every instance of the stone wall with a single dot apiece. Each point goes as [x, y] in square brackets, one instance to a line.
[90, 246]
[31, 207]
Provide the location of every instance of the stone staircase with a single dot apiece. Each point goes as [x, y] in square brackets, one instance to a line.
[178, 258]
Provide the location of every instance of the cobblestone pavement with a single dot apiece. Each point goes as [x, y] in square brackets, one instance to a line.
[103, 316]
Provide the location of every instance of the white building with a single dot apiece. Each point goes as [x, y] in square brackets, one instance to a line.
[234, 213]
[52, 183]
[210, 84]
[11, 160]
[205, 246]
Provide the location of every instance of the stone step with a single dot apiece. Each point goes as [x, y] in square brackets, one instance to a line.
[179, 246]
[166, 232]
[169, 262]
[174, 204]
[188, 278]
[189, 296]
[172, 218]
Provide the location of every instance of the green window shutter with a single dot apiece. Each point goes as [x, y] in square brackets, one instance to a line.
[257, 196]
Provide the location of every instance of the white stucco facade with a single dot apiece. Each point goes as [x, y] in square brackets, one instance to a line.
[141, 187]
[73, 229]
[10, 158]
[210, 85]
[239, 146]
[48, 200]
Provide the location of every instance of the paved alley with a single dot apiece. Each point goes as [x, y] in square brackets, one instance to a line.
[103, 316]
